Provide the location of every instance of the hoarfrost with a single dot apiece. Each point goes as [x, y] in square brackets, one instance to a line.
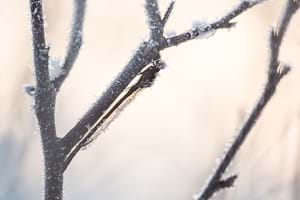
[55, 68]
[170, 33]
[201, 29]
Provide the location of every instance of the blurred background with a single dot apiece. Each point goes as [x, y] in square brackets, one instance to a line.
[166, 143]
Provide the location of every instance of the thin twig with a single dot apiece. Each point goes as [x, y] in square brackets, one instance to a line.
[277, 71]
[45, 95]
[75, 42]
[277, 34]
[168, 13]
[73, 47]
[145, 54]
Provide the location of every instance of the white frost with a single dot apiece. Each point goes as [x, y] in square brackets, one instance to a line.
[55, 68]
[170, 33]
[201, 29]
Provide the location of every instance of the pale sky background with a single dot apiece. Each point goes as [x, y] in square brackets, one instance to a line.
[165, 144]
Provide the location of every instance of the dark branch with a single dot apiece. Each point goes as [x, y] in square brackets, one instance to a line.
[39, 44]
[45, 94]
[277, 34]
[223, 22]
[277, 71]
[223, 184]
[44, 97]
[154, 20]
[145, 54]
[269, 90]
[73, 47]
[75, 42]
[168, 13]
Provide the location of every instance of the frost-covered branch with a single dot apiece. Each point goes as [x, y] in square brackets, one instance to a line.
[207, 28]
[277, 70]
[40, 49]
[146, 53]
[62, 70]
[74, 44]
[168, 13]
[44, 95]
[154, 19]
[277, 34]
[44, 107]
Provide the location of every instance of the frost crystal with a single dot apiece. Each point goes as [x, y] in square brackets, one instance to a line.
[35, 11]
[252, 2]
[170, 33]
[55, 68]
[201, 29]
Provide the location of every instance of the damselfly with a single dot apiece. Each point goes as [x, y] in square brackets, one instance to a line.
[145, 80]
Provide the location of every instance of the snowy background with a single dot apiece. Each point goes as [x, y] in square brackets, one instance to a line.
[166, 143]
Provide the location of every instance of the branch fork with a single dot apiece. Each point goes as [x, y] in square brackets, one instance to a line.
[146, 62]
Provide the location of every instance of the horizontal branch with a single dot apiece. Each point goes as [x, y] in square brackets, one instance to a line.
[223, 22]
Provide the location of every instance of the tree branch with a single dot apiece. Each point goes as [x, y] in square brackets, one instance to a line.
[168, 13]
[277, 71]
[154, 20]
[75, 42]
[45, 106]
[45, 94]
[223, 22]
[73, 48]
[145, 54]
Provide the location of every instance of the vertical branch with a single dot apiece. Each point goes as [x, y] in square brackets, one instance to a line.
[277, 71]
[45, 106]
[222, 22]
[45, 95]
